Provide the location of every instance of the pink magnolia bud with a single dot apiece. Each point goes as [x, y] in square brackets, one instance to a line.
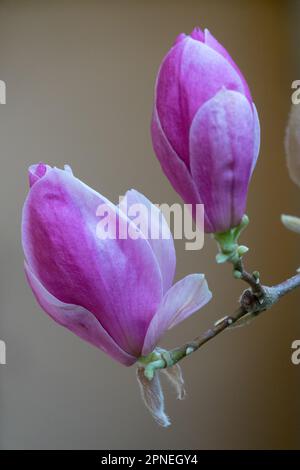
[115, 293]
[205, 128]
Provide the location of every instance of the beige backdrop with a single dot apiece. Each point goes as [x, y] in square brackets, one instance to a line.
[80, 78]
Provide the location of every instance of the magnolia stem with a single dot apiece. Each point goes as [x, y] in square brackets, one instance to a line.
[288, 285]
[251, 279]
[252, 302]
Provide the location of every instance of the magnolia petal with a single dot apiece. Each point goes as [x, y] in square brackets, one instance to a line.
[221, 157]
[78, 320]
[212, 42]
[291, 222]
[175, 169]
[256, 137]
[152, 396]
[182, 300]
[68, 169]
[36, 172]
[179, 38]
[156, 230]
[191, 73]
[118, 280]
[198, 34]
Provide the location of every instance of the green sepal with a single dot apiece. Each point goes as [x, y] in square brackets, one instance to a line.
[221, 258]
[229, 249]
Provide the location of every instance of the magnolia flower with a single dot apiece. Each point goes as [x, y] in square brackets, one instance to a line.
[205, 128]
[116, 293]
[292, 144]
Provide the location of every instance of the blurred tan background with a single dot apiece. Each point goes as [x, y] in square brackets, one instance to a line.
[80, 77]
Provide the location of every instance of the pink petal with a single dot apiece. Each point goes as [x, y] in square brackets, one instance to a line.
[78, 320]
[182, 300]
[174, 168]
[256, 137]
[222, 155]
[118, 280]
[154, 221]
[179, 38]
[198, 34]
[191, 73]
[211, 41]
[36, 172]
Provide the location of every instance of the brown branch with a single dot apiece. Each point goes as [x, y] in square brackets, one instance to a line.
[252, 302]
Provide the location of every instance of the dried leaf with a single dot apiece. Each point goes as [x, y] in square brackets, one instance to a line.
[152, 396]
[174, 374]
